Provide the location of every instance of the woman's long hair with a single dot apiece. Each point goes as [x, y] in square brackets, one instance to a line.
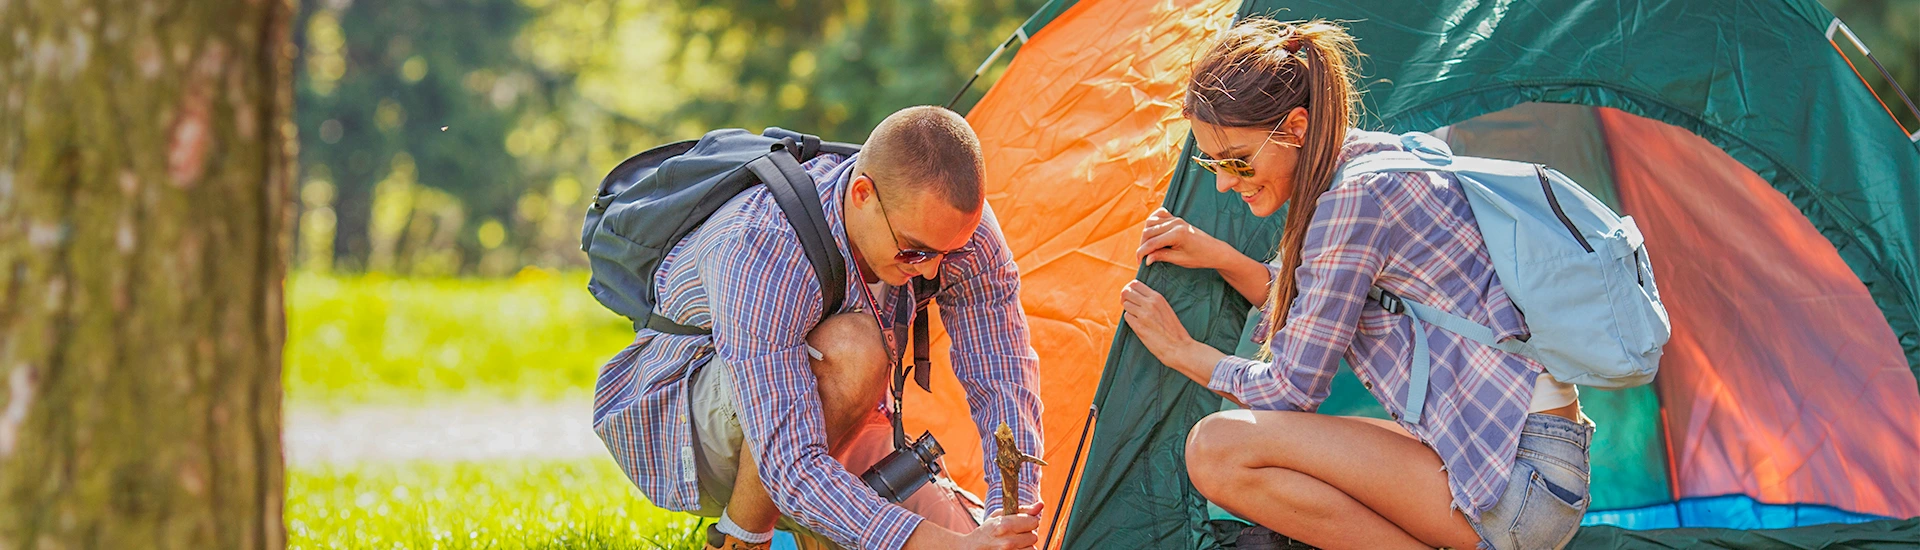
[1252, 78]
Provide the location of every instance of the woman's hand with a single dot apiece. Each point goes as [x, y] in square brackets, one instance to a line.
[1171, 239]
[1153, 321]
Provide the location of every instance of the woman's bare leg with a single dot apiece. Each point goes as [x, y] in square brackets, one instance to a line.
[1333, 482]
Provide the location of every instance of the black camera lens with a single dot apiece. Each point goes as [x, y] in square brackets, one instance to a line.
[904, 471]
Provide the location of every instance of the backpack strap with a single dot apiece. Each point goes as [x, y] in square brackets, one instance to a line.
[1416, 398]
[793, 190]
[797, 196]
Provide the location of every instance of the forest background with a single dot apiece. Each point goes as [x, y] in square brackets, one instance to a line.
[441, 346]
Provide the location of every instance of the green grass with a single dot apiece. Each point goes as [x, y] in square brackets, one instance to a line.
[356, 339]
[538, 336]
[504, 505]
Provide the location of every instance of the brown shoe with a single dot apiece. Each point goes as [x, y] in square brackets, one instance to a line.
[717, 540]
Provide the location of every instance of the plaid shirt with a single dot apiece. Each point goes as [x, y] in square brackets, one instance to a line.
[743, 274]
[1414, 235]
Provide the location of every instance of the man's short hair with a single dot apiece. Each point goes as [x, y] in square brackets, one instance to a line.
[926, 149]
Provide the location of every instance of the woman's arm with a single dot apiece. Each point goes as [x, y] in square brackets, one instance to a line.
[1248, 276]
[1152, 320]
[1343, 251]
[1170, 239]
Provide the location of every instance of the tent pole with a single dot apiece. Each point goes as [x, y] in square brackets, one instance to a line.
[1840, 26]
[1093, 413]
[1018, 34]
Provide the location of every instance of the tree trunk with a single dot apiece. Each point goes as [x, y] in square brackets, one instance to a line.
[146, 152]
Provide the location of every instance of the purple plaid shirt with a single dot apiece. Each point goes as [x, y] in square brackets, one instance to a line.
[1414, 235]
[743, 275]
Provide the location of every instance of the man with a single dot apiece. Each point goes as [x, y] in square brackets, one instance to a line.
[743, 424]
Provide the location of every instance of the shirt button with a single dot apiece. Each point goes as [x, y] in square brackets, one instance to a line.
[1396, 416]
[1366, 384]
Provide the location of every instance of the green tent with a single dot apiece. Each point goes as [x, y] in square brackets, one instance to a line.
[1785, 197]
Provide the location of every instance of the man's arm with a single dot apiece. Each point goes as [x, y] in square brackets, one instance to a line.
[992, 351]
[765, 298]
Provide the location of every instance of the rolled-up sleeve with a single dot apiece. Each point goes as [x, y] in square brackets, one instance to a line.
[1343, 252]
[993, 354]
[765, 299]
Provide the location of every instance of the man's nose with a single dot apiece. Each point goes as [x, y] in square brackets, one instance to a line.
[929, 268]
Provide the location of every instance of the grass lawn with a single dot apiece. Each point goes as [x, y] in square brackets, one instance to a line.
[382, 341]
[505, 505]
[356, 339]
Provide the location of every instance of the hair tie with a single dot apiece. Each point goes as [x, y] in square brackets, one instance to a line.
[1298, 43]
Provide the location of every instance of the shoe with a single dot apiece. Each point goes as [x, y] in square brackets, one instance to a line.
[717, 540]
[1255, 537]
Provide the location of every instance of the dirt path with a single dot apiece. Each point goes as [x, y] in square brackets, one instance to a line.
[443, 432]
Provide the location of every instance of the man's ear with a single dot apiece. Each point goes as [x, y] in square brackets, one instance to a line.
[859, 191]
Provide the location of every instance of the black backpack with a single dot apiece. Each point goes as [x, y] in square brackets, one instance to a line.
[653, 200]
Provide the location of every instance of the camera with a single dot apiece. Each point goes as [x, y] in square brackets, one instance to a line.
[905, 469]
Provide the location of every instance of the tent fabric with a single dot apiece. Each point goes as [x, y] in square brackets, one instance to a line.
[1083, 138]
[1775, 385]
[1080, 136]
[1725, 512]
[1879, 535]
[1757, 78]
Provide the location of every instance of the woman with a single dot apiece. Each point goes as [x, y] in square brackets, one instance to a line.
[1499, 457]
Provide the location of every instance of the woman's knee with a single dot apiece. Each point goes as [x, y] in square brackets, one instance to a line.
[1213, 446]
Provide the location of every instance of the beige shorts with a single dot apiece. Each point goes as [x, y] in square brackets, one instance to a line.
[717, 439]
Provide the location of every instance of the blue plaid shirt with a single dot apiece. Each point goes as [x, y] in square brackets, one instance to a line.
[1414, 235]
[743, 274]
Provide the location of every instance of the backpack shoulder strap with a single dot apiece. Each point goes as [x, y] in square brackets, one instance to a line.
[794, 191]
[923, 291]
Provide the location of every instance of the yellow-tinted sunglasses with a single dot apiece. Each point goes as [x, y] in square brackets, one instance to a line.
[1239, 167]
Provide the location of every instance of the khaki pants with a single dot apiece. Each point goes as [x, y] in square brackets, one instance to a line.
[718, 439]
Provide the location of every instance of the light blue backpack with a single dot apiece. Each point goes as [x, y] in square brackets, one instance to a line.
[1578, 271]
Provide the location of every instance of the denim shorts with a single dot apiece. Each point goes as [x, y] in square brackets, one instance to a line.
[1547, 493]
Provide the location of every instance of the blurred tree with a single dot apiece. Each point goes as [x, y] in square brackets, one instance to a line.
[1891, 28]
[832, 67]
[540, 97]
[145, 168]
[428, 87]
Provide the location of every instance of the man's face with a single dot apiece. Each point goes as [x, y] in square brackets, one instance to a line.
[879, 228]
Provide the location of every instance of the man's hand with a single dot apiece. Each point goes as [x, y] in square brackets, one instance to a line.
[1016, 532]
[999, 532]
[1170, 239]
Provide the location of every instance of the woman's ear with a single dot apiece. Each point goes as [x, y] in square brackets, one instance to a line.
[1296, 125]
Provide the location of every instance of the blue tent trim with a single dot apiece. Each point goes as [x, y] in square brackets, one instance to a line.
[1725, 512]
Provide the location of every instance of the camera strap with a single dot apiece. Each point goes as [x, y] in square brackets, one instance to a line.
[920, 296]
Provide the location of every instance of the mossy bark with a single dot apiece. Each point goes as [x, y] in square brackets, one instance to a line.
[146, 153]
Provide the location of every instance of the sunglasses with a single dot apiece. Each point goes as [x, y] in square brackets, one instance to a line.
[907, 254]
[1239, 167]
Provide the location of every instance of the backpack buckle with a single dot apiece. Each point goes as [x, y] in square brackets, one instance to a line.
[1388, 301]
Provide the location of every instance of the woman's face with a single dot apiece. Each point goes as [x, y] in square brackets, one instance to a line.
[1271, 152]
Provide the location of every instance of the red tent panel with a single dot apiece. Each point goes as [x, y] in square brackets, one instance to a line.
[1783, 381]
